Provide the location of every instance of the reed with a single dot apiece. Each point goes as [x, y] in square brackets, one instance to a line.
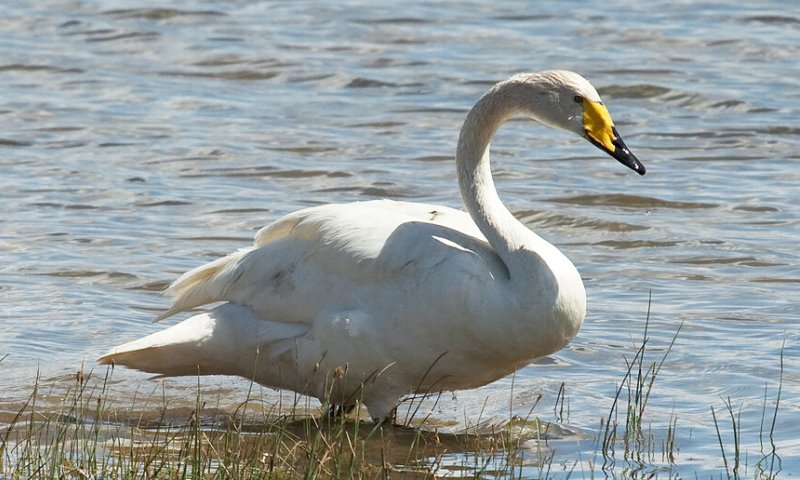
[637, 442]
[90, 436]
[735, 459]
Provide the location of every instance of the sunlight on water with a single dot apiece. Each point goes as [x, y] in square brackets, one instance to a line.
[141, 140]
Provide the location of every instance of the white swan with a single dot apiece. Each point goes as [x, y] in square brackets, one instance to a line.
[376, 300]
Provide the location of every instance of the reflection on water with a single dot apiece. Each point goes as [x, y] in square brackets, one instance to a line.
[141, 141]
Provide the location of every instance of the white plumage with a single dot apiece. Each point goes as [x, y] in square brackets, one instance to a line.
[372, 301]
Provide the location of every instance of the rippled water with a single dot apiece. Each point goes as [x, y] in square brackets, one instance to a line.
[139, 140]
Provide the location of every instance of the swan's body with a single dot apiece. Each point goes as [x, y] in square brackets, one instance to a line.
[375, 300]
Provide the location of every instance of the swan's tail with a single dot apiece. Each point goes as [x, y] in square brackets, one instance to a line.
[225, 341]
[196, 287]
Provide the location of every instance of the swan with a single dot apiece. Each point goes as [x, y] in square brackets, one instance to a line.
[372, 301]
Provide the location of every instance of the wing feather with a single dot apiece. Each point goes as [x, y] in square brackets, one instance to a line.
[334, 256]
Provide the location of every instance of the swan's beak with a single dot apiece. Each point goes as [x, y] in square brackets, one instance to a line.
[600, 130]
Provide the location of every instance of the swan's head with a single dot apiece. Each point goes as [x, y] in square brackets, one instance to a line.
[565, 100]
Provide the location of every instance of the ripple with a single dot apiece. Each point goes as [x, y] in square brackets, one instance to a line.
[25, 68]
[161, 13]
[305, 149]
[267, 172]
[240, 75]
[522, 18]
[639, 71]
[628, 244]
[743, 261]
[775, 280]
[622, 200]
[779, 130]
[384, 62]
[433, 158]
[683, 99]
[60, 129]
[68, 206]
[394, 21]
[633, 91]
[86, 273]
[702, 134]
[105, 277]
[547, 220]
[309, 78]
[117, 144]
[720, 158]
[122, 36]
[7, 142]
[368, 83]
[219, 238]
[460, 111]
[239, 210]
[163, 203]
[154, 286]
[727, 104]
[773, 19]
[226, 60]
[756, 208]
[377, 125]
[306, 174]
[372, 191]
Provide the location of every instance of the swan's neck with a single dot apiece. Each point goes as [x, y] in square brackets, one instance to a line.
[504, 232]
[545, 282]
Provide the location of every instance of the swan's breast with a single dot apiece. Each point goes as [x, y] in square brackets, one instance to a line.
[570, 305]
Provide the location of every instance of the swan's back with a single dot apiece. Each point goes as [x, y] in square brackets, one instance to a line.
[363, 243]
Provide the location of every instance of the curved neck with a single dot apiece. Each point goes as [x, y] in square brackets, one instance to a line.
[503, 231]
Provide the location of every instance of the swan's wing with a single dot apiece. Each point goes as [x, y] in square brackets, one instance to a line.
[339, 257]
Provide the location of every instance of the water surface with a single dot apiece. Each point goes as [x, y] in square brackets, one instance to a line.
[140, 140]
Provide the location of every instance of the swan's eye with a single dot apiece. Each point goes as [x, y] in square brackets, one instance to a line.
[578, 99]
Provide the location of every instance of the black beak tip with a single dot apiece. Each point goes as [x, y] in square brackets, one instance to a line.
[637, 166]
[625, 157]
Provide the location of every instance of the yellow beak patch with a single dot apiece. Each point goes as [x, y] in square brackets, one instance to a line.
[598, 124]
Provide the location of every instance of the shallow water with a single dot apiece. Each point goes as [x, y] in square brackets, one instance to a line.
[140, 140]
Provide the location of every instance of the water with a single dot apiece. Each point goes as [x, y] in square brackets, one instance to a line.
[139, 140]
